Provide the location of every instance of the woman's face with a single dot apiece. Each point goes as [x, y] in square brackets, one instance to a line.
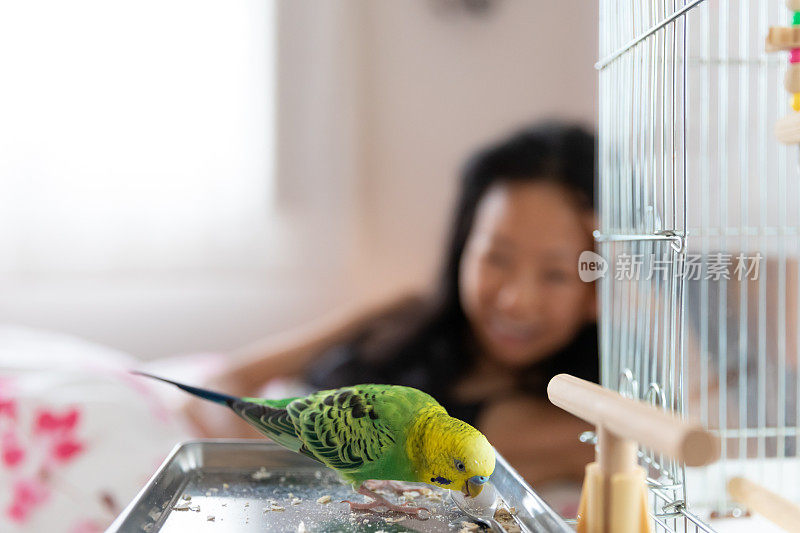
[518, 277]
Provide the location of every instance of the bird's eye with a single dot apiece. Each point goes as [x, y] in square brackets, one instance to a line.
[459, 465]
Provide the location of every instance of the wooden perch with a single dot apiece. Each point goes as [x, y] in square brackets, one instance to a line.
[614, 495]
[771, 506]
[634, 420]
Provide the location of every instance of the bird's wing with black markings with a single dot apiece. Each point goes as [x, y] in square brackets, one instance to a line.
[273, 421]
[342, 428]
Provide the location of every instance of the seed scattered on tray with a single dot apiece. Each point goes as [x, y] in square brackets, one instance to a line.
[506, 519]
[318, 474]
[247, 504]
[210, 518]
[260, 474]
[186, 507]
[504, 514]
[430, 493]
[225, 486]
[296, 501]
[301, 528]
[187, 497]
[469, 527]
[273, 506]
[148, 527]
[278, 508]
[155, 514]
[324, 499]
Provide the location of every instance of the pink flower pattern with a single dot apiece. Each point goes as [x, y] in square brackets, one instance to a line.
[12, 451]
[8, 408]
[28, 494]
[51, 422]
[66, 449]
[52, 442]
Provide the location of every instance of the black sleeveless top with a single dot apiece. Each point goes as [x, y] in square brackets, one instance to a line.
[435, 357]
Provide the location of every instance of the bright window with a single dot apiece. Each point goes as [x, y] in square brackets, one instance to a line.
[135, 135]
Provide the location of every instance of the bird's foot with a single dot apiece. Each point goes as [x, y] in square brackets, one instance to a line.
[375, 506]
[379, 501]
[398, 487]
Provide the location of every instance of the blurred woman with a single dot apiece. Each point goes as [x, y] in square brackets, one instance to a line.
[509, 312]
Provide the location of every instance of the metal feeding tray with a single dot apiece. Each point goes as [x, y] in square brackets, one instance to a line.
[254, 486]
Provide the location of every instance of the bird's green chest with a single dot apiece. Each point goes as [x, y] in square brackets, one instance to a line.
[393, 465]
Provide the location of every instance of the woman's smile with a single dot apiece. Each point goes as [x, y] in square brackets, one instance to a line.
[509, 331]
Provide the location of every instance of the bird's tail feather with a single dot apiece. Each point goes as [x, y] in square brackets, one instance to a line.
[216, 397]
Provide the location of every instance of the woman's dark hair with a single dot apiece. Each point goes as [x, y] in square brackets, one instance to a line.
[428, 344]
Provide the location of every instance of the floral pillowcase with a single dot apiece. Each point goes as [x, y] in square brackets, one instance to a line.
[79, 435]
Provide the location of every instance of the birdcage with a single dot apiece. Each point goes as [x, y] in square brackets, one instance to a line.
[700, 225]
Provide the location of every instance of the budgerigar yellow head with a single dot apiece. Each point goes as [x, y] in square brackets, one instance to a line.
[450, 453]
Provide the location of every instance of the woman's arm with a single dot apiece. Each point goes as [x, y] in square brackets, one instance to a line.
[282, 355]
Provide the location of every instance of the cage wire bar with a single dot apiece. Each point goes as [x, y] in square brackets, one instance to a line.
[699, 218]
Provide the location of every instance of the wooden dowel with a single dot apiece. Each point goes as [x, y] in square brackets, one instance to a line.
[771, 506]
[615, 455]
[634, 420]
[782, 38]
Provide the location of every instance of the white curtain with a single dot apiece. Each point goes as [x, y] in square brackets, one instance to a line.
[136, 136]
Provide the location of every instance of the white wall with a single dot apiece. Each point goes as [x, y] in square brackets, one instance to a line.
[439, 85]
[379, 103]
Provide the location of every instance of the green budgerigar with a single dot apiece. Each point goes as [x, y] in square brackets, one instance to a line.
[371, 432]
